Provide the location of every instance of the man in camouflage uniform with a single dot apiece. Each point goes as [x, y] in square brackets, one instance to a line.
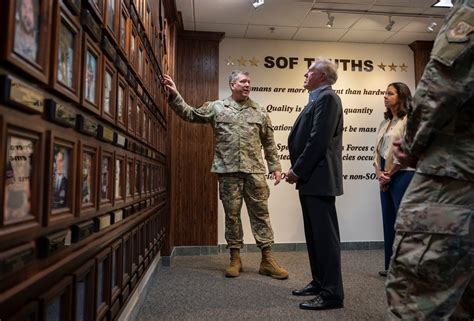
[431, 274]
[241, 128]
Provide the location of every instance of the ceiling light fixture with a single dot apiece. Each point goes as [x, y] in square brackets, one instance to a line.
[443, 4]
[390, 24]
[258, 3]
[431, 27]
[330, 22]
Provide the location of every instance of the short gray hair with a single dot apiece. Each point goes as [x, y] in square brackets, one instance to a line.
[327, 67]
[233, 75]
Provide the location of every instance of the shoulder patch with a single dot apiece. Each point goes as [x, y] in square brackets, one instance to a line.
[461, 30]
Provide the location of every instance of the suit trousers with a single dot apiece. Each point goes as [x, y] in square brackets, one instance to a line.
[323, 242]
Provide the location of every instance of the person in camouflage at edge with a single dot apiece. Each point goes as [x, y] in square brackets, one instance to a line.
[431, 271]
[241, 127]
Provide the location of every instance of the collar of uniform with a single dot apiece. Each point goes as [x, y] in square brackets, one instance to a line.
[231, 102]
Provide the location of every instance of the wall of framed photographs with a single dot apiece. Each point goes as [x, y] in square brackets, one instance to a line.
[84, 140]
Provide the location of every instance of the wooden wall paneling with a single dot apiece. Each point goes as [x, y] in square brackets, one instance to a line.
[193, 188]
[422, 51]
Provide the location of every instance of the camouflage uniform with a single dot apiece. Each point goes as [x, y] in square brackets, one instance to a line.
[240, 132]
[431, 274]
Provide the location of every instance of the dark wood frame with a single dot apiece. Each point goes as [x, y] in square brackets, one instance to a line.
[127, 264]
[62, 288]
[90, 45]
[85, 272]
[55, 216]
[135, 244]
[131, 106]
[108, 202]
[113, 33]
[74, 6]
[124, 13]
[120, 200]
[122, 83]
[63, 17]
[108, 67]
[26, 312]
[38, 69]
[88, 209]
[137, 179]
[139, 118]
[101, 309]
[11, 229]
[129, 176]
[132, 40]
[140, 59]
[115, 290]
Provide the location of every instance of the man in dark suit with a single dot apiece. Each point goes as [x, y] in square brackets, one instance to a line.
[315, 147]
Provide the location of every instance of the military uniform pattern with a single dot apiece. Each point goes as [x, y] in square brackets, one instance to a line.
[240, 132]
[431, 274]
[253, 188]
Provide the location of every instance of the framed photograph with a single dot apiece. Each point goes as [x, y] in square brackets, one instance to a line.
[135, 251]
[112, 13]
[140, 60]
[131, 110]
[61, 169]
[119, 179]
[21, 188]
[139, 119]
[102, 282]
[106, 178]
[122, 102]
[117, 274]
[97, 8]
[132, 53]
[124, 30]
[87, 179]
[138, 178]
[57, 302]
[84, 279]
[66, 69]
[108, 91]
[27, 36]
[127, 259]
[144, 178]
[91, 76]
[129, 179]
[146, 70]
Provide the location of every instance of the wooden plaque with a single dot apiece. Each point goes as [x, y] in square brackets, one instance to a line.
[60, 113]
[16, 258]
[17, 93]
[87, 125]
[52, 243]
[82, 230]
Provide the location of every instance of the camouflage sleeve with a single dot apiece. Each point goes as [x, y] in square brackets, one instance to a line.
[203, 114]
[447, 82]
[269, 147]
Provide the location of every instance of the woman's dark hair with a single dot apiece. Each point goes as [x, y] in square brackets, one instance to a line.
[404, 100]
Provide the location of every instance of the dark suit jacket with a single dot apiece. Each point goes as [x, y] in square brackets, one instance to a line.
[315, 145]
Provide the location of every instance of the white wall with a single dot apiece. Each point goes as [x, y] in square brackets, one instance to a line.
[359, 208]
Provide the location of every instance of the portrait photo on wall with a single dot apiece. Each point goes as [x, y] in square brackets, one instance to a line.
[128, 184]
[67, 62]
[91, 75]
[87, 192]
[106, 172]
[28, 36]
[18, 186]
[60, 186]
[118, 190]
[108, 91]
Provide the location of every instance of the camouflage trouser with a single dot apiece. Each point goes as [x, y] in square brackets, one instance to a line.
[431, 274]
[253, 188]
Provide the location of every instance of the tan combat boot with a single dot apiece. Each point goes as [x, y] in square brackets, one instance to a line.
[270, 267]
[235, 266]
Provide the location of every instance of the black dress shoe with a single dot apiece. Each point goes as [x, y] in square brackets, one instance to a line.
[383, 273]
[321, 303]
[310, 289]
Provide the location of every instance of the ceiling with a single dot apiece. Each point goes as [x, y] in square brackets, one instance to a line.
[306, 19]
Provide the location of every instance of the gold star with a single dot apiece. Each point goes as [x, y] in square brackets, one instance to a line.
[403, 67]
[393, 67]
[230, 61]
[242, 61]
[382, 66]
[254, 62]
